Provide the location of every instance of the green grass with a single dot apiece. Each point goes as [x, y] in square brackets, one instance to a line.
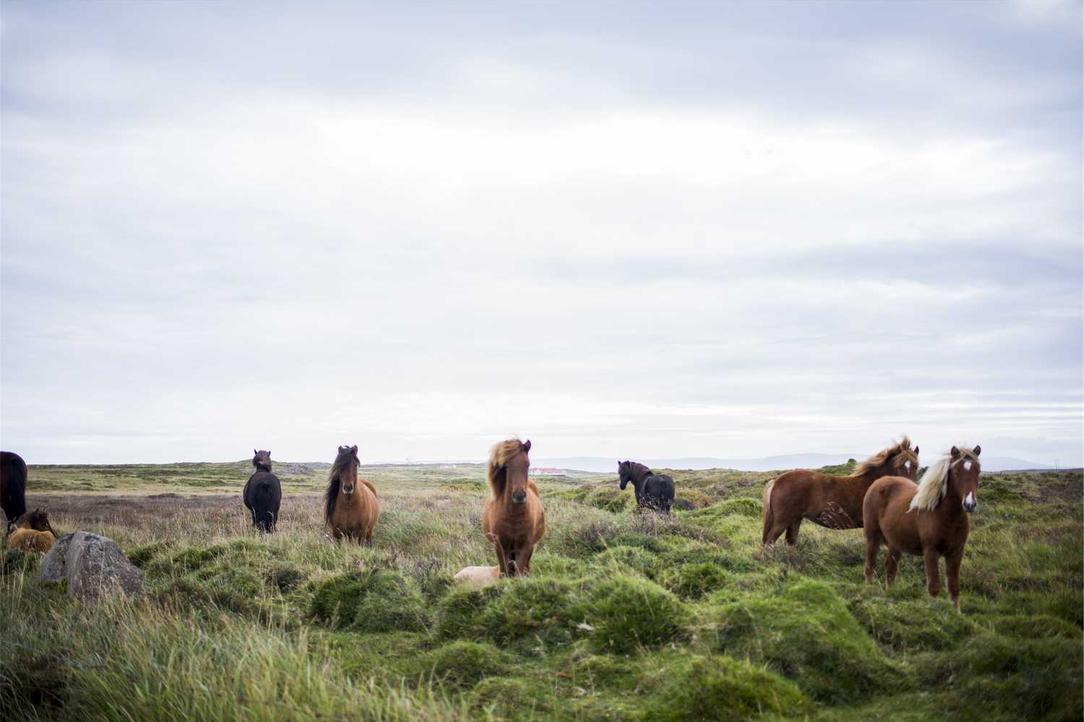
[627, 617]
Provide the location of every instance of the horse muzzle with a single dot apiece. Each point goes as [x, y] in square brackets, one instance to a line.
[970, 503]
[348, 490]
[519, 497]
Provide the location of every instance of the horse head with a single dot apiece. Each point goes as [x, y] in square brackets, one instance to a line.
[346, 465]
[904, 462]
[963, 476]
[261, 460]
[515, 470]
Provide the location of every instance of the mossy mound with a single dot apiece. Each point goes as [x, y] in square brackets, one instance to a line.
[390, 605]
[508, 698]
[722, 688]
[461, 664]
[907, 625]
[807, 634]
[539, 610]
[462, 613]
[1001, 678]
[627, 612]
[692, 581]
[143, 553]
[1035, 626]
[370, 601]
[634, 559]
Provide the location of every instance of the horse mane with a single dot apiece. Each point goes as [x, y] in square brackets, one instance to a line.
[878, 460]
[332, 491]
[639, 471]
[934, 483]
[500, 455]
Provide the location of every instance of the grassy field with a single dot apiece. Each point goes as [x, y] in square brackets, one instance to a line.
[627, 617]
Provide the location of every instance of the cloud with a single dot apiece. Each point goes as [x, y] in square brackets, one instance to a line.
[293, 229]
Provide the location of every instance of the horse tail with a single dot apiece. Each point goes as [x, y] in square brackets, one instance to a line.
[769, 517]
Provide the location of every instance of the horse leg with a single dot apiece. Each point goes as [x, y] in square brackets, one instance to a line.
[773, 530]
[952, 571]
[792, 532]
[933, 575]
[892, 565]
[502, 559]
[523, 558]
[873, 545]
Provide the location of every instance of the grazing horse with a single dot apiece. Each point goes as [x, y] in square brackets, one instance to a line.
[927, 519]
[31, 532]
[350, 507]
[263, 493]
[513, 519]
[653, 491]
[12, 485]
[834, 502]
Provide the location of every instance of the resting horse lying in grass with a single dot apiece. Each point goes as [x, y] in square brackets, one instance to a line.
[32, 532]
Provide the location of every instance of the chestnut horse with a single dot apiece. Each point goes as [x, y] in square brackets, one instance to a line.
[927, 519]
[350, 507]
[514, 519]
[834, 502]
[31, 532]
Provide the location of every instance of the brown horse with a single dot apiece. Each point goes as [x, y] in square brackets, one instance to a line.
[350, 507]
[514, 519]
[31, 532]
[830, 501]
[927, 519]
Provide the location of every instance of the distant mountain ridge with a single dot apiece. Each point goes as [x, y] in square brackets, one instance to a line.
[764, 463]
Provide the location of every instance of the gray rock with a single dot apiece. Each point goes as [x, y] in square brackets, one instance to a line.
[93, 566]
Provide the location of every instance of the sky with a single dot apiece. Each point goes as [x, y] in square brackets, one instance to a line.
[617, 229]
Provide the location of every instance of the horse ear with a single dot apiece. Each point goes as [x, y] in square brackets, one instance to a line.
[255, 453]
[354, 449]
[955, 452]
[527, 445]
[916, 451]
[978, 450]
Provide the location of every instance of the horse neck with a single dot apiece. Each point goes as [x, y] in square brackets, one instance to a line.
[951, 505]
[869, 476]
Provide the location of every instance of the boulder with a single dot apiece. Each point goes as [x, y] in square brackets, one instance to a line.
[92, 565]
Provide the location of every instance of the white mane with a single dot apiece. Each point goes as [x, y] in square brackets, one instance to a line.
[934, 483]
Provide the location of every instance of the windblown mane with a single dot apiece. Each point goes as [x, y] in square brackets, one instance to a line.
[934, 483]
[332, 492]
[877, 460]
[500, 455]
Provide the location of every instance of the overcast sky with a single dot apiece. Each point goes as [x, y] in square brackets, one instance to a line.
[633, 230]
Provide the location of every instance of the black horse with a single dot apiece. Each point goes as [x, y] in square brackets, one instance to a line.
[263, 493]
[12, 485]
[653, 491]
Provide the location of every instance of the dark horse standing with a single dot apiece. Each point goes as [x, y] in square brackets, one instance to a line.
[12, 485]
[263, 493]
[653, 491]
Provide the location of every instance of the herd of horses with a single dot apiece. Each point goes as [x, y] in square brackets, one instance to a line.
[928, 518]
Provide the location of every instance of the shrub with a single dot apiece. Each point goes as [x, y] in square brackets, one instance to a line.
[627, 612]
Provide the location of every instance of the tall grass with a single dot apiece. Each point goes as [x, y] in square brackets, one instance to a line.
[626, 617]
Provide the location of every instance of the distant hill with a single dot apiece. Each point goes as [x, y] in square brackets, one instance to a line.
[764, 463]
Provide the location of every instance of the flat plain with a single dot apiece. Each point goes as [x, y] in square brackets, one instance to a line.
[626, 616]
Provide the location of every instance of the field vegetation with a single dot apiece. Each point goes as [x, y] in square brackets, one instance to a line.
[626, 616]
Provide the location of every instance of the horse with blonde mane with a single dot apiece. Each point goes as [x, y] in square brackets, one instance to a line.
[350, 505]
[513, 519]
[31, 532]
[830, 501]
[928, 519]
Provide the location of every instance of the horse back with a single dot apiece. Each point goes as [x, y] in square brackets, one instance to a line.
[30, 540]
[12, 484]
